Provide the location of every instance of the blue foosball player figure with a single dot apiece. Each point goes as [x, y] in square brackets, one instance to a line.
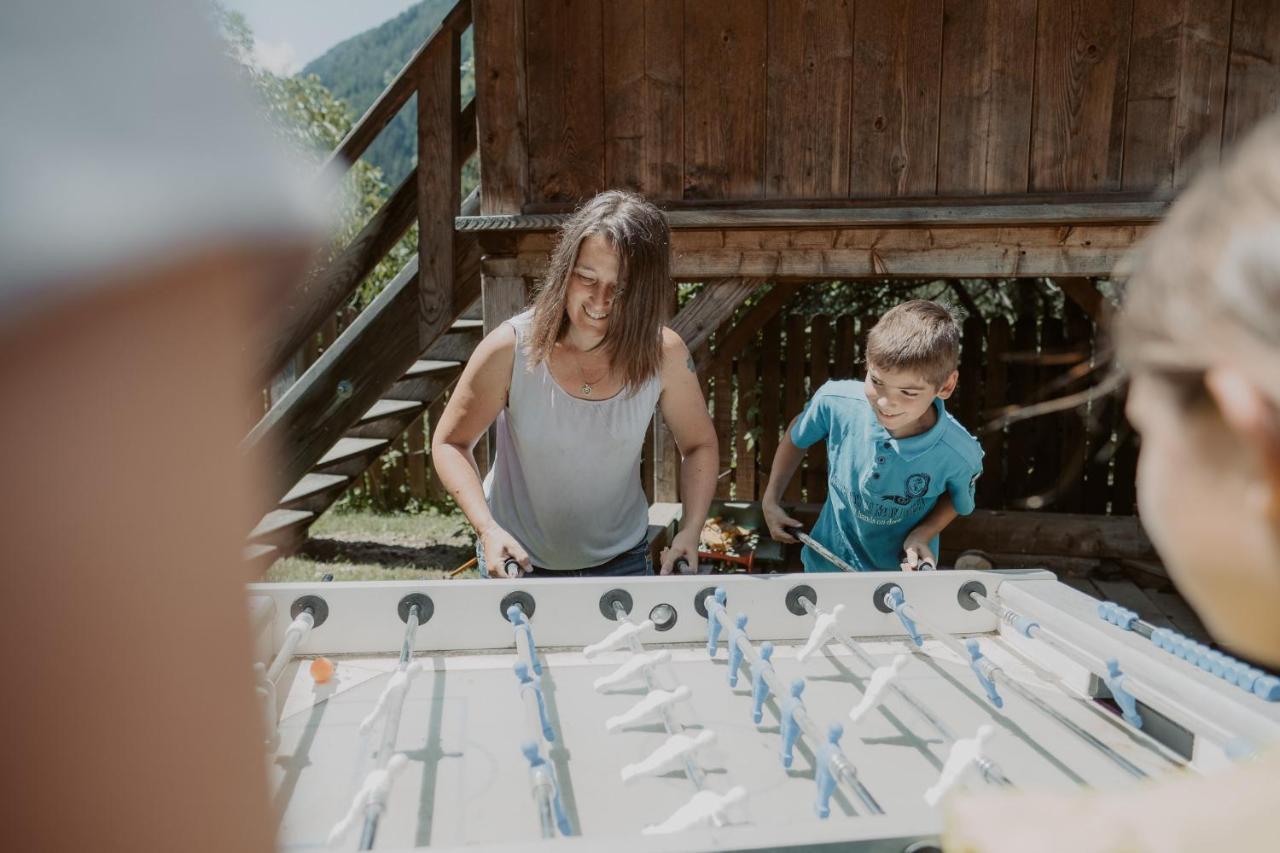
[823, 774]
[759, 686]
[791, 728]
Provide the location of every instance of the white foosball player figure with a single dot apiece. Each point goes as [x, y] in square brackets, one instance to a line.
[965, 753]
[674, 750]
[632, 668]
[823, 626]
[651, 705]
[617, 637]
[266, 692]
[705, 806]
[372, 793]
[397, 684]
[880, 680]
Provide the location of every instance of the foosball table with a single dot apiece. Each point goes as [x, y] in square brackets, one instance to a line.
[732, 712]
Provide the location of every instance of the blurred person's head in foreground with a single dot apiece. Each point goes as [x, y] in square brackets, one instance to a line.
[147, 215]
[1199, 335]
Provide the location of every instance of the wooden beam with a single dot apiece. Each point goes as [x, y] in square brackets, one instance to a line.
[1084, 292]
[823, 255]
[711, 308]
[352, 373]
[502, 296]
[439, 183]
[745, 331]
[396, 95]
[1068, 534]
[918, 213]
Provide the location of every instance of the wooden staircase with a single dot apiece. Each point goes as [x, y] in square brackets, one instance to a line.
[408, 346]
[282, 530]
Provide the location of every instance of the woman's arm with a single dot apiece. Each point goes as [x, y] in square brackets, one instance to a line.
[473, 406]
[685, 412]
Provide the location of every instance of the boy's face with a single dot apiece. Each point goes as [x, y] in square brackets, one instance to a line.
[903, 399]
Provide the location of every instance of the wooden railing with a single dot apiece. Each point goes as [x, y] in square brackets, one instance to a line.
[413, 310]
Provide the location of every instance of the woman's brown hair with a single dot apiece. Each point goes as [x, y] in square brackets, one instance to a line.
[639, 233]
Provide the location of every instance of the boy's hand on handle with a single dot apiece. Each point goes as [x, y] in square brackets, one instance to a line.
[918, 557]
[683, 550]
[501, 549]
[779, 523]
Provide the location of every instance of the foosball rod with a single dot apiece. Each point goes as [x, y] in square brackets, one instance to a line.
[390, 729]
[997, 674]
[293, 636]
[691, 770]
[1034, 630]
[840, 766]
[989, 768]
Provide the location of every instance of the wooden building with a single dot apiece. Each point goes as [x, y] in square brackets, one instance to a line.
[793, 142]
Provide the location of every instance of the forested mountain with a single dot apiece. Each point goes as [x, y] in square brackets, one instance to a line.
[358, 69]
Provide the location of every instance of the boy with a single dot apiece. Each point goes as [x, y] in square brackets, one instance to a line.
[899, 468]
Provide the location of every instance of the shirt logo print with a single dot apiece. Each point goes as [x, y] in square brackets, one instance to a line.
[916, 486]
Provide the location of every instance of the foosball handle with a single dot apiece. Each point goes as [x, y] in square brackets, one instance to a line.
[511, 567]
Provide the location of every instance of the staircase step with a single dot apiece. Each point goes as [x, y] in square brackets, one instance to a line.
[467, 325]
[314, 484]
[259, 554]
[347, 448]
[390, 408]
[424, 367]
[278, 520]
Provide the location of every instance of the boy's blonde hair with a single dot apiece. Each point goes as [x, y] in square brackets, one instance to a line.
[920, 336]
[1208, 277]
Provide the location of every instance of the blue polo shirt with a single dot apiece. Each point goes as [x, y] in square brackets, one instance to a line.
[879, 487]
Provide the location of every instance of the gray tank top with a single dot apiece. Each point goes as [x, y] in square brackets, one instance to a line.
[565, 480]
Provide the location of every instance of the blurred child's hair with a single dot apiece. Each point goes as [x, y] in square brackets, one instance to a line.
[920, 336]
[1209, 276]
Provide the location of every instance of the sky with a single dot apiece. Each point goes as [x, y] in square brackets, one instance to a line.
[290, 33]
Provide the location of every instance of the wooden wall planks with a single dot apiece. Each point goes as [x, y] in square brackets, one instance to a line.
[644, 96]
[830, 99]
[988, 64]
[1177, 85]
[1082, 63]
[565, 76]
[725, 47]
[896, 80]
[809, 98]
[1253, 75]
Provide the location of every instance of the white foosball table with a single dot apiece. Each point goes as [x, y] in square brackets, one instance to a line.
[731, 712]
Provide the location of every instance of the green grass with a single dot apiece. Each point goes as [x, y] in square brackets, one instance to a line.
[375, 546]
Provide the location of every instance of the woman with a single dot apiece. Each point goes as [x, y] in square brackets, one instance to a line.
[572, 384]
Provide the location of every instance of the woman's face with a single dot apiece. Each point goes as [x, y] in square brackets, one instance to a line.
[1203, 504]
[593, 291]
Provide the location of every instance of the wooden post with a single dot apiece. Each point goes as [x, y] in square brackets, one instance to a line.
[439, 184]
[502, 296]
[666, 458]
[501, 99]
[711, 309]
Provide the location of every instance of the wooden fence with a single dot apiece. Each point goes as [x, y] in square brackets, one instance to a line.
[1080, 461]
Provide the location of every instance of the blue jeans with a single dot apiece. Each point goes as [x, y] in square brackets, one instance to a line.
[633, 561]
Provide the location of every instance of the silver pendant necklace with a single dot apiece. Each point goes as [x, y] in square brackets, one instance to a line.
[588, 386]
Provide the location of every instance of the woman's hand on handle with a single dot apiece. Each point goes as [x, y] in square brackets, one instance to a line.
[683, 550]
[499, 547]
